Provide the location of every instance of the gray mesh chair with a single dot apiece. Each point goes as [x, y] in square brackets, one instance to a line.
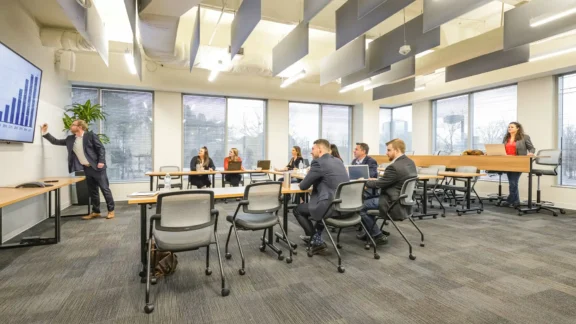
[260, 207]
[348, 202]
[184, 221]
[432, 187]
[554, 159]
[452, 189]
[259, 177]
[406, 200]
[169, 168]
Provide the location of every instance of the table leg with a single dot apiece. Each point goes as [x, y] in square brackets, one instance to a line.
[57, 211]
[151, 183]
[213, 180]
[530, 207]
[280, 236]
[143, 221]
[468, 200]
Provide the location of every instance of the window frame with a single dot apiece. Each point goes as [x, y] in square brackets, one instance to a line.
[264, 124]
[320, 112]
[391, 109]
[100, 89]
[560, 123]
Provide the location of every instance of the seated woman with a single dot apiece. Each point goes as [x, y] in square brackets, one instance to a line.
[234, 179]
[198, 163]
[334, 152]
[294, 162]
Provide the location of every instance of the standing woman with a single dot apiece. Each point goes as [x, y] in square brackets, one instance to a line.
[516, 143]
[233, 178]
[203, 159]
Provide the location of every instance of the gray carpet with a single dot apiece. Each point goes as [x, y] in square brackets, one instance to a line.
[490, 268]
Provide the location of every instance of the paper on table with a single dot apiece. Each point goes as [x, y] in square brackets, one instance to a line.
[143, 194]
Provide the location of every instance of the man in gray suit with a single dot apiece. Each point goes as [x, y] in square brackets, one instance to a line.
[326, 173]
[390, 185]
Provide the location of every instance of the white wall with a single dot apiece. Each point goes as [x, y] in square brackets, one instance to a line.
[29, 162]
[366, 127]
[422, 127]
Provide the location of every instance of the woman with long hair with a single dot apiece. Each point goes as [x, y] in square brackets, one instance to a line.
[233, 178]
[517, 143]
[334, 152]
[294, 162]
[200, 162]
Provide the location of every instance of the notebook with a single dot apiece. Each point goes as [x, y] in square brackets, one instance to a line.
[143, 194]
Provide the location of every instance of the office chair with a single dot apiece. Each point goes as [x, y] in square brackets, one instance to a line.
[455, 187]
[260, 207]
[260, 177]
[499, 197]
[555, 160]
[348, 201]
[169, 169]
[432, 188]
[184, 221]
[405, 200]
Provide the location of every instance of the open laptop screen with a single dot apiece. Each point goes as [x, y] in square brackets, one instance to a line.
[358, 171]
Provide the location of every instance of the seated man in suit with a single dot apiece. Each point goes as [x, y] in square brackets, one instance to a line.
[326, 173]
[361, 158]
[400, 170]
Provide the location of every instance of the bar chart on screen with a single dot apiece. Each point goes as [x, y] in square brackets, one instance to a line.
[19, 92]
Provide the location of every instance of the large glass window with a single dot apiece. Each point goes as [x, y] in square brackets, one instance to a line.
[308, 121]
[396, 123]
[220, 124]
[469, 121]
[567, 111]
[128, 125]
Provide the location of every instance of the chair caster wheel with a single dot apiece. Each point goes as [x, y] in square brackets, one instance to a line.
[149, 308]
[443, 215]
[208, 272]
[555, 214]
[339, 246]
[376, 256]
[288, 260]
[309, 254]
[520, 213]
[434, 217]
[277, 239]
[478, 211]
[142, 274]
[228, 256]
[459, 214]
[367, 247]
[411, 257]
[562, 211]
[153, 280]
[420, 218]
[143, 280]
[341, 269]
[280, 257]
[295, 252]
[333, 230]
[262, 248]
[242, 272]
[422, 244]
[225, 292]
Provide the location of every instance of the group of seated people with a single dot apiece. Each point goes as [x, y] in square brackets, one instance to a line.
[203, 162]
[325, 173]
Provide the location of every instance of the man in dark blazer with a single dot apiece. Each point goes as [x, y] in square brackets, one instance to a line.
[326, 173]
[390, 185]
[361, 158]
[86, 152]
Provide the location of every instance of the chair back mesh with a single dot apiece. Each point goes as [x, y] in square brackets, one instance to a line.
[170, 168]
[430, 171]
[408, 189]
[262, 197]
[185, 208]
[554, 159]
[441, 168]
[467, 169]
[352, 194]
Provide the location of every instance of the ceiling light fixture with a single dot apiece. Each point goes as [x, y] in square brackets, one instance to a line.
[130, 61]
[422, 87]
[355, 85]
[419, 55]
[553, 54]
[440, 70]
[215, 71]
[292, 79]
[549, 17]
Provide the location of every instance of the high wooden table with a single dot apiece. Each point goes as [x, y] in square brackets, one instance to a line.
[9, 196]
[219, 193]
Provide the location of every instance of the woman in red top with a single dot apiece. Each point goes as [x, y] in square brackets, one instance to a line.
[234, 179]
[516, 143]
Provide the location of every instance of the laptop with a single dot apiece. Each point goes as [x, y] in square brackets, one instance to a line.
[264, 164]
[234, 166]
[356, 172]
[495, 149]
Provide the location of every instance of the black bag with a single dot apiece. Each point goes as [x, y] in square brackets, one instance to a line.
[164, 263]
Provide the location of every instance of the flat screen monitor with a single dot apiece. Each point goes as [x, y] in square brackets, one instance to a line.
[19, 92]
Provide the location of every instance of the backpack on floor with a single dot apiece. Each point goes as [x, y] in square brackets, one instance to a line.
[164, 263]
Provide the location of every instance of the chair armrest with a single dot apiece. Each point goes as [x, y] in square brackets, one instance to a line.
[243, 203]
[214, 212]
[155, 217]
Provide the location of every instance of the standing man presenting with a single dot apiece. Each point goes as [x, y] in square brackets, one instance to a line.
[86, 152]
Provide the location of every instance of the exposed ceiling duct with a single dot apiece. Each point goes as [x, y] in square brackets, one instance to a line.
[62, 39]
[158, 24]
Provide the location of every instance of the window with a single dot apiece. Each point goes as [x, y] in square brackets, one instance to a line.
[303, 127]
[396, 123]
[492, 111]
[567, 112]
[220, 124]
[128, 125]
[336, 128]
[469, 121]
[307, 122]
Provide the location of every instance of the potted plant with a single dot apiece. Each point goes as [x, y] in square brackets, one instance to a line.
[90, 114]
